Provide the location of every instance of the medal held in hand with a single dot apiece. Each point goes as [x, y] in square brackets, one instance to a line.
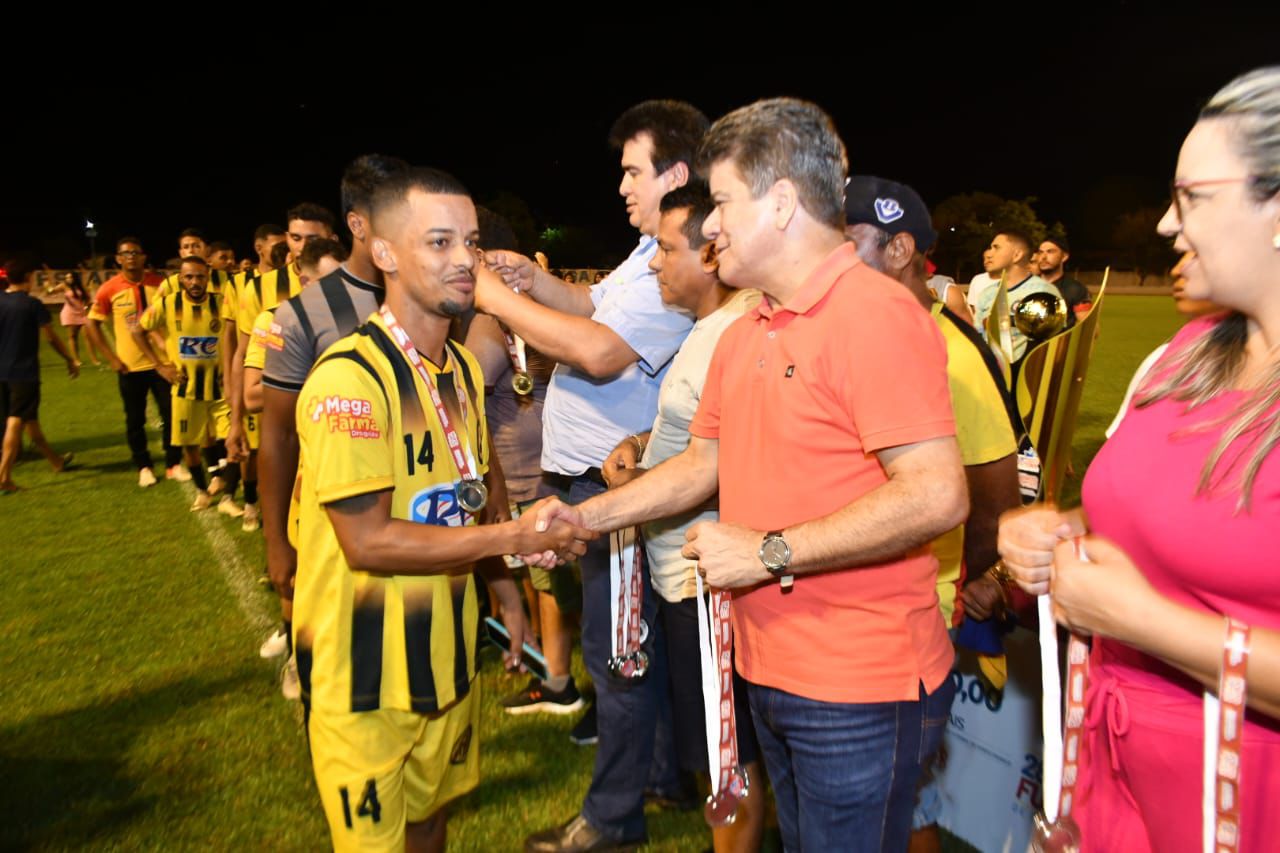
[729, 782]
[1223, 737]
[1054, 830]
[521, 381]
[629, 661]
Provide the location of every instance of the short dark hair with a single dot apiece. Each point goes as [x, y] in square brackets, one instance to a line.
[676, 128]
[362, 176]
[1017, 235]
[496, 232]
[192, 232]
[220, 246]
[1059, 239]
[309, 212]
[314, 250]
[128, 239]
[394, 191]
[783, 138]
[695, 197]
[194, 259]
[19, 267]
[266, 230]
[280, 254]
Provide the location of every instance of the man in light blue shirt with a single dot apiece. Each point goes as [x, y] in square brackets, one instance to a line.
[613, 342]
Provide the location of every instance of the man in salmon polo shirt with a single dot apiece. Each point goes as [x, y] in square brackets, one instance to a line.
[826, 424]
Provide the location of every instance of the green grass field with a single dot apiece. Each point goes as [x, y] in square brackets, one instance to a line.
[135, 712]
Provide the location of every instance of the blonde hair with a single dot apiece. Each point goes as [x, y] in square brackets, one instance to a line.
[1211, 364]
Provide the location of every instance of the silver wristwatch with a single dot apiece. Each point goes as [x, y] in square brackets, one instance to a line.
[775, 553]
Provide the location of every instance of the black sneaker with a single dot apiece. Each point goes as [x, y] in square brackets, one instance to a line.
[584, 733]
[537, 697]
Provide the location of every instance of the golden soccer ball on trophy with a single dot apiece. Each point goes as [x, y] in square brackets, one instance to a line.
[1040, 315]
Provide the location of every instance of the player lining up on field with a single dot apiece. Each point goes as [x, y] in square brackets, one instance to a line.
[190, 318]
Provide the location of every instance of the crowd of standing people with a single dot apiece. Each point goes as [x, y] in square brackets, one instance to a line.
[768, 465]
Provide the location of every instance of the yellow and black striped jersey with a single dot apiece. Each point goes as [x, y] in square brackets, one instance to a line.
[193, 333]
[258, 293]
[366, 424]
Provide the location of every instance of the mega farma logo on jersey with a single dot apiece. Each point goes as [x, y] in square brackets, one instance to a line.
[437, 505]
[351, 415]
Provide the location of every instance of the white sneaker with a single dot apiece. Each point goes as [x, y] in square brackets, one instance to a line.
[216, 485]
[202, 501]
[178, 474]
[252, 518]
[275, 645]
[146, 477]
[290, 686]
[227, 506]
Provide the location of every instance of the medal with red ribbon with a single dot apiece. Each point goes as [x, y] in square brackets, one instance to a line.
[1223, 740]
[521, 381]
[729, 782]
[629, 661]
[472, 492]
[1054, 830]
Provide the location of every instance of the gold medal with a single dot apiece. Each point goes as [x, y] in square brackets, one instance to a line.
[522, 383]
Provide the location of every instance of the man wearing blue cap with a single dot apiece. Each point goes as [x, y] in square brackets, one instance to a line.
[891, 227]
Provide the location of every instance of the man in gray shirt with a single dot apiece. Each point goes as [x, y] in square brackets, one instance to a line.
[309, 323]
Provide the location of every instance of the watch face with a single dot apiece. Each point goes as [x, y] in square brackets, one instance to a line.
[775, 554]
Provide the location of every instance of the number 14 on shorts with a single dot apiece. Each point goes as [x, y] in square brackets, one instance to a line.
[368, 807]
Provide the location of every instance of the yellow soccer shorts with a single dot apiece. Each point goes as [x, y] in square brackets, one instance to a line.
[198, 422]
[253, 430]
[378, 770]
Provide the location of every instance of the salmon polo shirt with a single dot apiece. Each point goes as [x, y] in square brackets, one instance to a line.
[800, 397]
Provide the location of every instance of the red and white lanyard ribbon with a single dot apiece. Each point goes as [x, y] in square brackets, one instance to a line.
[1223, 737]
[626, 586]
[1223, 741]
[516, 349]
[715, 648]
[461, 450]
[1054, 828]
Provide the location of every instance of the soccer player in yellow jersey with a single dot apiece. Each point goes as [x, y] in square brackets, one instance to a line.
[222, 258]
[304, 222]
[192, 322]
[265, 238]
[191, 244]
[385, 611]
[319, 258]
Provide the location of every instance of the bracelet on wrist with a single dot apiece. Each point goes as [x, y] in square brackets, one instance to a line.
[1000, 574]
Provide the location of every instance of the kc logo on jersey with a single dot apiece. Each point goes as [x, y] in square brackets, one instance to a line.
[198, 347]
[351, 415]
[437, 505]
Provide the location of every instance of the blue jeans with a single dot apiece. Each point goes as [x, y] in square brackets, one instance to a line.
[631, 718]
[844, 775]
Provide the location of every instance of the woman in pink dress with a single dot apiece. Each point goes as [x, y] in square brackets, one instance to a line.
[1182, 508]
[73, 319]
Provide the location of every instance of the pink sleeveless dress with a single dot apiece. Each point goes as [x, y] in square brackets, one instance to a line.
[1144, 742]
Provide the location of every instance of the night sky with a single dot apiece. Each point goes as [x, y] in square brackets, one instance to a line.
[1085, 117]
